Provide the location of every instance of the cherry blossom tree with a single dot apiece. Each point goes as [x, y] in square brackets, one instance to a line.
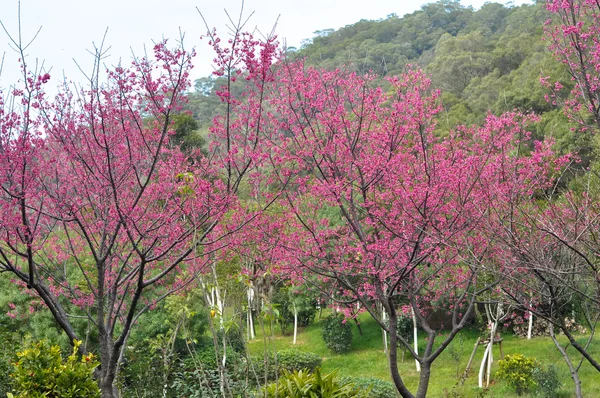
[548, 250]
[101, 217]
[381, 207]
[573, 35]
[551, 245]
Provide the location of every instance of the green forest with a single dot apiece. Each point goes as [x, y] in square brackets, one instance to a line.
[403, 207]
[488, 60]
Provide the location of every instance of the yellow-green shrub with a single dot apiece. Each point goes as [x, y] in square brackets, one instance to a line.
[40, 371]
[517, 370]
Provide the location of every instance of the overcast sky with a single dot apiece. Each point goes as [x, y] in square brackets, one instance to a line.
[69, 27]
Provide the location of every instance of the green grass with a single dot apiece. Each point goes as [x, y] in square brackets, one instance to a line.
[367, 358]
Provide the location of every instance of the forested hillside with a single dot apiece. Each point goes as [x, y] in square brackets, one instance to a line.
[490, 59]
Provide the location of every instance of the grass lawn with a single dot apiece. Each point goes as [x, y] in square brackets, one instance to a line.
[366, 358]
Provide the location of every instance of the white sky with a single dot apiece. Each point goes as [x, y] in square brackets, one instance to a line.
[69, 27]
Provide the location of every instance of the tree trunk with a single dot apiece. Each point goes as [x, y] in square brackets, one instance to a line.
[251, 332]
[530, 327]
[107, 389]
[393, 358]
[470, 363]
[490, 358]
[109, 356]
[415, 337]
[107, 379]
[572, 369]
[295, 323]
[360, 331]
[424, 380]
[384, 333]
[482, 367]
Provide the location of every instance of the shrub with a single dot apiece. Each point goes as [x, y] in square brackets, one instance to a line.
[234, 338]
[548, 380]
[40, 371]
[195, 378]
[404, 327]
[259, 366]
[517, 370]
[315, 385]
[139, 370]
[337, 333]
[372, 387]
[9, 340]
[286, 360]
[292, 360]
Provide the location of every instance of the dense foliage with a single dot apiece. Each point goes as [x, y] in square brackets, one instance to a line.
[518, 371]
[372, 386]
[40, 371]
[300, 384]
[337, 333]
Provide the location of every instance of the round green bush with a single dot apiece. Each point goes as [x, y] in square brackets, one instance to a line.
[517, 370]
[372, 386]
[293, 359]
[337, 333]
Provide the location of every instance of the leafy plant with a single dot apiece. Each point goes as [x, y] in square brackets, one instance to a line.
[286, 360]
[337, 333]
[518, 371]
[372, 386]
[301, 384]
[198, 377]
[548, 380]
[40, 371]
[234, 338]
[291, 360]
[455, 351]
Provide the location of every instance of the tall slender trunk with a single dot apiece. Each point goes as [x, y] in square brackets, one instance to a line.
[530, 327]
[490, 358]
[295, 323]
[530, 324]
[250, 293]
[572, 370]
[482, 367]
[107, 389]
[357, 323]
[109, 356]
[415, 337]
[383, 332]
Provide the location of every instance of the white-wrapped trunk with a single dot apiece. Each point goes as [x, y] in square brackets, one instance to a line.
[530, 327]
[383, 332]
[490, 357]
[482, 367]
[415, 337]
[295, 323]
[250, 322]
[217, 294]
